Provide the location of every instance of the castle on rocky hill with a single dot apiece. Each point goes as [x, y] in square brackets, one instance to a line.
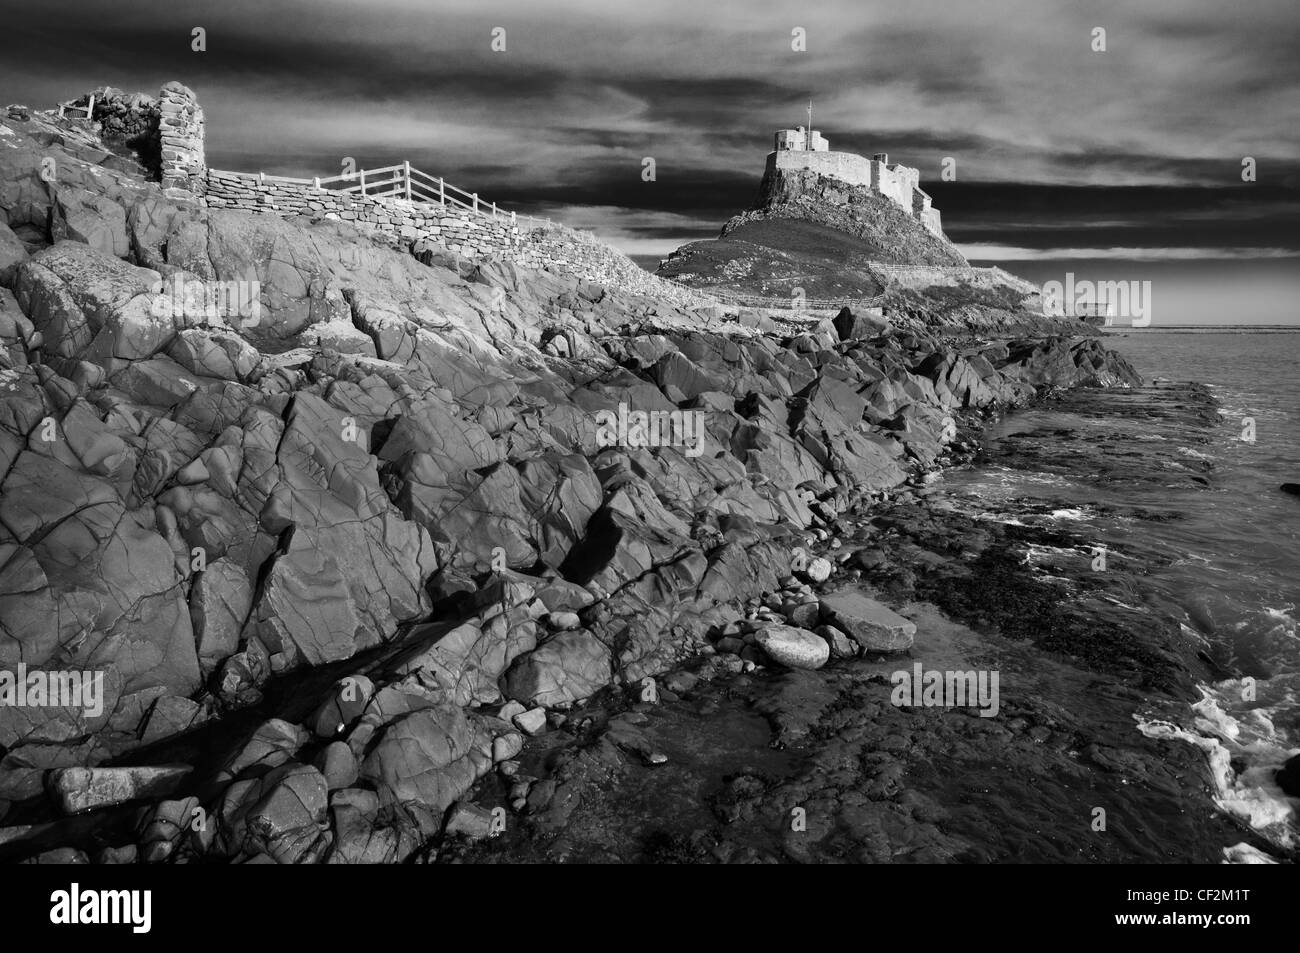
[803, 149]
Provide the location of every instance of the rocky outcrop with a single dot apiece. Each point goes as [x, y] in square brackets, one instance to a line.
[814, 241]
[237, 451]
[886, 232]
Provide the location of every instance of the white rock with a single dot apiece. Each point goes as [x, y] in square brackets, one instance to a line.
[564, 621]
[818, 570]
[85, 789]
[510, 709]
[531, 722]
[793, 647]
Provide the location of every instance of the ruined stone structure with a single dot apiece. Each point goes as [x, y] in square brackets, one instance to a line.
[798, 149]
[180, 130]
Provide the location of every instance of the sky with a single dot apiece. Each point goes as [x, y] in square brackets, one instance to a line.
[1062, 152]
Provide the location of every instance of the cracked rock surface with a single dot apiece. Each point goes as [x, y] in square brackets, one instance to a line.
[319, 542]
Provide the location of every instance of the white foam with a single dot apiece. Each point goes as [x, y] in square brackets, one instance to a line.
[1253, 795]
[1068, 514]
[1283, 615]
[1243, 853]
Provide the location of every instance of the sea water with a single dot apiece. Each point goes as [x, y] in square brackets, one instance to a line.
[1188, 501]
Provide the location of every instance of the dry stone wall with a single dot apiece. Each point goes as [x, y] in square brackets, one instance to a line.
[475, 235]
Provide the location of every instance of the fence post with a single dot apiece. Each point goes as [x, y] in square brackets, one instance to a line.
[476, 201]
[494, 209]
[363, 181]
[406, 166]
[90, 109]
[316, 182]
[442, 192]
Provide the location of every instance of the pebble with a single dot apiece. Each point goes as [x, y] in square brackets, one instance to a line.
[819, 569]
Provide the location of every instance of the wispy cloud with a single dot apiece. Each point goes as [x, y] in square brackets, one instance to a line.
[586, 90]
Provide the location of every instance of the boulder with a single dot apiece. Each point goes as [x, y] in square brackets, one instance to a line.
[874, 626]
[338, 765]
[868, 323]
[345, 704]
[287, 821]
[817, 570]
[469, 821]
[568, 667]
[86, 789]
[793, 647]
[532, 722]
[425, 760]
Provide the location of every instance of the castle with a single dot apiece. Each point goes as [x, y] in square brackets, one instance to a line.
[802, 149]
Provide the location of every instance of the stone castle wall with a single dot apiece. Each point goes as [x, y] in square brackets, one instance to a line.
[845, 166]
[901, 183]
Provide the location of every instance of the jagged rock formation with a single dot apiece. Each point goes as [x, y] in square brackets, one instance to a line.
[236, 449]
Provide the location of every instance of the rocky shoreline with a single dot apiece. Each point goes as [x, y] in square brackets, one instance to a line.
[716, 768]
[371, 578]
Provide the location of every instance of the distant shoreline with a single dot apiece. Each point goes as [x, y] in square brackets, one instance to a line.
[1208, 329]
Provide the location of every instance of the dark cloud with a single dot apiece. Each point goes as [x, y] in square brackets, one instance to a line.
[1055, 144]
